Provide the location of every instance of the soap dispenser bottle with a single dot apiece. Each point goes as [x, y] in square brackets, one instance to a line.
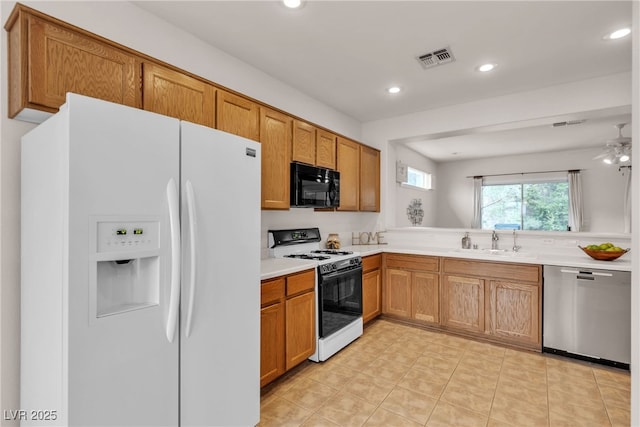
[466, 241]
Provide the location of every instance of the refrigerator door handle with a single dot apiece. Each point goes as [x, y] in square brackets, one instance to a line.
[192, 246]
[174, 225]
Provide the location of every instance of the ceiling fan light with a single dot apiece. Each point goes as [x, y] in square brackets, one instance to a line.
[624, 158]
[609, 159]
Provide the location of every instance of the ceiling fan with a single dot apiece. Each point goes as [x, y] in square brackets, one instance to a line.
[616, 150]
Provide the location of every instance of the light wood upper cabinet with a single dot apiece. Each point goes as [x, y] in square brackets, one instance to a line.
[348, 157]
[47, 59]
[304, 143]
[369, 179]
[325, 149]
[275, 138]
[174, 94]
[237, 115]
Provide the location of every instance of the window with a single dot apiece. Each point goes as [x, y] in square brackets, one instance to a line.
[526, 203]
[418, 179]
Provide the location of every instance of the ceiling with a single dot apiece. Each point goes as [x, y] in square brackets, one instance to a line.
[347, 53]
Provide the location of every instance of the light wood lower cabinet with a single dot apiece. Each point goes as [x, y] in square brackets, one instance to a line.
[288, 323]
[499, 300]
[371, 287]
[411, 287]
[463, 303]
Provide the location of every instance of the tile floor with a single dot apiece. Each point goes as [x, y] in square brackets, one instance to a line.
[397, 375]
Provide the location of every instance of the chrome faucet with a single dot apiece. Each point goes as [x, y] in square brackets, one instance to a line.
[515, 248]
[494, 240]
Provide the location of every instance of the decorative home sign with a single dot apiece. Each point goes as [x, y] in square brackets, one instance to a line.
[415, 212]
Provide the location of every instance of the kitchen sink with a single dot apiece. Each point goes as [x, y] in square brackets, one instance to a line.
[499, 253]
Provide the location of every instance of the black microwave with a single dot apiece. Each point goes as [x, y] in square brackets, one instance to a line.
[313, 187]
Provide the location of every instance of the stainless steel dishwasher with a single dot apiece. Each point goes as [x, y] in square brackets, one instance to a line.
[587, 314]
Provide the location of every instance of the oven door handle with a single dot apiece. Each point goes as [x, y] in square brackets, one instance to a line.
[326, 276]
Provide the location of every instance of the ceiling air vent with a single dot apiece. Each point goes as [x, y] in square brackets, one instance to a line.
[437, 57]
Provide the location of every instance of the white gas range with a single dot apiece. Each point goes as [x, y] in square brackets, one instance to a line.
[338, 287]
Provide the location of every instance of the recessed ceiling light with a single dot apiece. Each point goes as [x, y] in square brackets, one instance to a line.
[486, 67]
[618, 34]
[292, 4]
[394, 89]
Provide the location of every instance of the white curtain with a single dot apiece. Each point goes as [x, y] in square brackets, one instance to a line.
[575, 200]
[477, 202]
[627, 202]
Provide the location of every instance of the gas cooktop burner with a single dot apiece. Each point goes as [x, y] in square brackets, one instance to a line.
[308, 256]
[331, 252]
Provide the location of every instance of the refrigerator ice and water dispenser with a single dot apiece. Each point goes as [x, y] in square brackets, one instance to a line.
[127, 266]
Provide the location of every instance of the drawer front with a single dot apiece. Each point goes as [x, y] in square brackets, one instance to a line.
[301, 282]
[412, 262]
[501, 270]
[271, 291]
[371, 262]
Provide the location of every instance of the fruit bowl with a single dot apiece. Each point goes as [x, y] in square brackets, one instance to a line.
[604, 255]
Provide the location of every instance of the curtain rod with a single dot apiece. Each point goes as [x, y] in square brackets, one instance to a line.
[523, 173]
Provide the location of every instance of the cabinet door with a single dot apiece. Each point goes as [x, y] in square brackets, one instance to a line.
[275, 137]
[348, 156]
[425, 297]
[463, 302]
[325, 149]
[177, 95]
[369, 179]
[272, 360]
[397, 293]
[237, 115]
[514, 310]
[61, 60]
[371, 295]
[304, 143]
[300, 331]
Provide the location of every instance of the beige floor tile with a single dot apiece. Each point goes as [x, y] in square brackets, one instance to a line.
[409, 404]
[281, 412]
[335, 377]
[347, 410]
[397, 354]
[615, 396]
[519, 411]
[485, 350]
[383, 418]
[308, 394]
[619, 416]
[430, 383]
[518, 383]
[455, 342]
[385, 369]
[435, 363]
[565, 368]
[475, 378]
[482, 366]
[443, 351]
[570, 413]
[526, 359]
[567, 389]
[515, 371]
[372, 389]
[499, 423]
[316, 420]
[446, 415]
[613, 378]
[464, 395]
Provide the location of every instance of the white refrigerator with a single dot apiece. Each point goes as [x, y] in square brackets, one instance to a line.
[140, 271]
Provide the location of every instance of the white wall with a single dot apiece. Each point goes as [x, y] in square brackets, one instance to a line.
[128, 25]
[602, 185]
[405, 195]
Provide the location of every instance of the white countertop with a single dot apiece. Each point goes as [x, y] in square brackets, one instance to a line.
[273, 267]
